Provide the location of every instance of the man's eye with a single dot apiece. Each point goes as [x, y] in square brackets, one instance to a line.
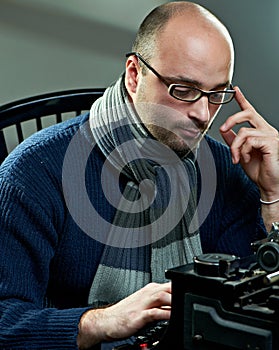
[218, 96]
[184, 92]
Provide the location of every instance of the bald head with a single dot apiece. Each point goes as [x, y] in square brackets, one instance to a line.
[195, 18]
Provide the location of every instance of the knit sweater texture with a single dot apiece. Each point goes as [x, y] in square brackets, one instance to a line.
[47, 263]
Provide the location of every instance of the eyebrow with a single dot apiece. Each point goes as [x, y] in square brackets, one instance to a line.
[195, 83]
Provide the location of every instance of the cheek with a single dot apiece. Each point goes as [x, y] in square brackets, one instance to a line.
[149, 101]
[150, 89]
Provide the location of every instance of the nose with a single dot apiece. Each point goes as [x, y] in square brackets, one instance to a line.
[200, 111]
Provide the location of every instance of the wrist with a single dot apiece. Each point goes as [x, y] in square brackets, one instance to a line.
[269, 202]
[270, 214]
[269, 197]
[91, 331]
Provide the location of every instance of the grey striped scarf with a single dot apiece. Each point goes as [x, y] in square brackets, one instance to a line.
[150, 231]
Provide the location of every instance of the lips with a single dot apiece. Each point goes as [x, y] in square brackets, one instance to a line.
[189, 133]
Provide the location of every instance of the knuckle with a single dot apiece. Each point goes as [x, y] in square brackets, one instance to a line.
[152, 314]
[153, 284]
[150, 286]
[159, 296]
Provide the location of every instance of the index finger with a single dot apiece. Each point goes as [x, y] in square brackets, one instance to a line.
[241, 99]
[247, 114]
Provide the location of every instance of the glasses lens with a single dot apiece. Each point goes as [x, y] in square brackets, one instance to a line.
[184, 93]
[221, 97]
[189, 94]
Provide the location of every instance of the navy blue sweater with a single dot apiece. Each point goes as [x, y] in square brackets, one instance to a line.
[47, 263]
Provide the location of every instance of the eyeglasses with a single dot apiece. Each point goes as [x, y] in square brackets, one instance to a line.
[189, 93]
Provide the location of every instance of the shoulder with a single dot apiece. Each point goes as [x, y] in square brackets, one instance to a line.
[40, 157]
[46, 143]
[59, 134]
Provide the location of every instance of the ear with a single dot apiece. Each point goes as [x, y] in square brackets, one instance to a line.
[132, 75]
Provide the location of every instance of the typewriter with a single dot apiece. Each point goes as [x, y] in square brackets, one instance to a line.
[221, 302]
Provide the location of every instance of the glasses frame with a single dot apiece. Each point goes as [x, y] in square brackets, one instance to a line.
[172, 86]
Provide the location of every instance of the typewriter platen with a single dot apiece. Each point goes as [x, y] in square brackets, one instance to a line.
[222, 302]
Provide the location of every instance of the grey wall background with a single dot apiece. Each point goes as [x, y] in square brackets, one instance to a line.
[49, 45]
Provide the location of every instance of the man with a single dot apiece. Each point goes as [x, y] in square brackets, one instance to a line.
[95, 209]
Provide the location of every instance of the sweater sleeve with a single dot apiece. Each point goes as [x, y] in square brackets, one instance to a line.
[28, 240]
[32, 224]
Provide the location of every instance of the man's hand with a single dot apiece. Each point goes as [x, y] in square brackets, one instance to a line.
[126, 317]
[255, 147]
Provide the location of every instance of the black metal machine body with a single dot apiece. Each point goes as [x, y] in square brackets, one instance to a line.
[222, 302]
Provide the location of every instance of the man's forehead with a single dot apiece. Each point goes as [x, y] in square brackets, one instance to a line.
[183, 56]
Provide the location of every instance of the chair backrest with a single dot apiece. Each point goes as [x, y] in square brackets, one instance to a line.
[21, 118]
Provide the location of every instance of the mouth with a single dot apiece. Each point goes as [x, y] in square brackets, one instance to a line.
[190, 134]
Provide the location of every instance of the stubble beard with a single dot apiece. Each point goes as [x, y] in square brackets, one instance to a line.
[176, 143]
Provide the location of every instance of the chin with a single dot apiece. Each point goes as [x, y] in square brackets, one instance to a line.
[182, 146]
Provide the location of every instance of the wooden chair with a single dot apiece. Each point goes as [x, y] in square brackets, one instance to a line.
[21, 118]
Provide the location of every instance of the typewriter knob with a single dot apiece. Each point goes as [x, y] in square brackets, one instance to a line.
[268, 256]
[209, 264]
